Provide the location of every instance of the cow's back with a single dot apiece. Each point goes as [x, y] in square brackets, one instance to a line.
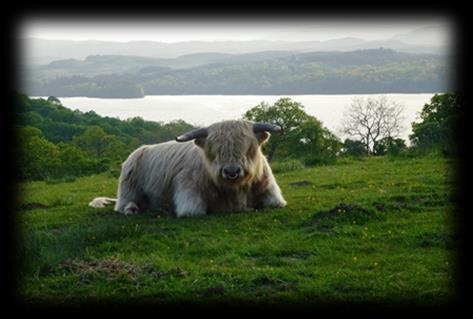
[153, 168]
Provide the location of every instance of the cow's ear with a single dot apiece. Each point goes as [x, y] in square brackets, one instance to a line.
[200, 142]
[262, 137]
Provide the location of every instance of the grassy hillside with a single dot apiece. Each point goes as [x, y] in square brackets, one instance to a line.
[371, 230]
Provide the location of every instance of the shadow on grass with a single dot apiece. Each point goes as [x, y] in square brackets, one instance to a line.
[41, 250]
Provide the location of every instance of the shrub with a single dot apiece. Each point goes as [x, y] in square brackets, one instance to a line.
[440, 126]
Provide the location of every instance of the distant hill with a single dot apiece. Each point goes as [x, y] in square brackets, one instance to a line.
[94, 65]
[41, 51]
[426, 36]
[268, 72]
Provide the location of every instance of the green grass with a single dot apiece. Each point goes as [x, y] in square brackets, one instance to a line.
[374, 230]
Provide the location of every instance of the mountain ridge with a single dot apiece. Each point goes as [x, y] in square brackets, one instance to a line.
[360, 71]
[43, 51]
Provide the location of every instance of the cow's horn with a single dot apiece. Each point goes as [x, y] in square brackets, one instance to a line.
[260, 127]
[199, 132]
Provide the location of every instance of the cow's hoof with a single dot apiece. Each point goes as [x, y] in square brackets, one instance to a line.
[131, 208]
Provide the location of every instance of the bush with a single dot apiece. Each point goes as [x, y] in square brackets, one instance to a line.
[114, 170]
[301, 133]
[354, 148]
[440, 126]
[389, 146]
[38, 158]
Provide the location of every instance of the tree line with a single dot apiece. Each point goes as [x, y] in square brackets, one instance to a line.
[362, 71]
[373, 125]
[56, 142]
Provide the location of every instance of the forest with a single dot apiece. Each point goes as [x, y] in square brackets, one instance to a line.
[362, 71]
[55, 142]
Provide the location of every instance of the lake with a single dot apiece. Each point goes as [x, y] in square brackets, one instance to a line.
[203, 110]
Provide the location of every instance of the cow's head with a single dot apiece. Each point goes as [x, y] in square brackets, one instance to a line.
[232, 149]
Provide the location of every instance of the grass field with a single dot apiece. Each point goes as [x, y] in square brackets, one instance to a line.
[376, 230]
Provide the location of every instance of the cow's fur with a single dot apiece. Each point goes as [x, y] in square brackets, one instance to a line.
[186, 177]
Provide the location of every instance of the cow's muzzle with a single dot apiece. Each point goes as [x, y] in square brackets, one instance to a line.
[232, 172]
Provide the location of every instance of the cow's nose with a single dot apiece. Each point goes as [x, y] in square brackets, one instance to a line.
[231, 171]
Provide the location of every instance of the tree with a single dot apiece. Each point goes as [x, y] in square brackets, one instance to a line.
[389, 146]
[353, 148]
[286, 113]
[439, 125]
[38, 158]
[312, 142]
[55, 141]
[75, 162]
[54, 100]
[30, 118]
[302, 136]
[96, 142]
[372, 119]
[134, 143]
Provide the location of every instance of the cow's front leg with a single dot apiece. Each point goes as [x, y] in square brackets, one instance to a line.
[272, 198]
[188, 202]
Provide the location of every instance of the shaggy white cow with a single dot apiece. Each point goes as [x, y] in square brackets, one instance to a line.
[222, 170]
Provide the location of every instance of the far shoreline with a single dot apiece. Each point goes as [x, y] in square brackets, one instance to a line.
[175, 95]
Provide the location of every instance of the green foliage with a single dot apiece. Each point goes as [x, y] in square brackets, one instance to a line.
[314, 143]
[302, 135]
[75, 162]
[55, 142]
[354, 148]
[54, 100]
[96, 143]
[389, 146]
[38, 158]
[439, 127]
[31, 119]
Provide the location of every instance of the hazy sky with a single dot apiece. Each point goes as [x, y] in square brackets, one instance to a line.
[184, 30]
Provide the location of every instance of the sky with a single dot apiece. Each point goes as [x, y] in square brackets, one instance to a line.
[174, 30]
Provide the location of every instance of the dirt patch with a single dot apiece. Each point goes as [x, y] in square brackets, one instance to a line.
[412, 202]
[101, 266]
[344, 209]
[332, 186]
[380, 207]
[114, 268]
[399, 201]
[325, 221]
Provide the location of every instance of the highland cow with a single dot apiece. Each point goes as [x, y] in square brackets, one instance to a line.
[220, 168]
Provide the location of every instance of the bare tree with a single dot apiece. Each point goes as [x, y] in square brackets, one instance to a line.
[372, 119]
